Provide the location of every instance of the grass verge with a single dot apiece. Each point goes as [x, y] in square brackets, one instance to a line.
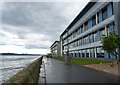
[83, 61]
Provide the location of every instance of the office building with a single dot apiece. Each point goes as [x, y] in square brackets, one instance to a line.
[82, 38]
[55, 49]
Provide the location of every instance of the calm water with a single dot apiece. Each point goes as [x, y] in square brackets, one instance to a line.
[10, 65]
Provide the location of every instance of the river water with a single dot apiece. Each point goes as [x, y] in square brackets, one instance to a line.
[10, 65]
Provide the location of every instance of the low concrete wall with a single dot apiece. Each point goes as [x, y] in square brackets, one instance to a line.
[30, 74]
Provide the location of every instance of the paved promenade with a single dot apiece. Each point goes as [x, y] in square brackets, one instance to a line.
[57, 72]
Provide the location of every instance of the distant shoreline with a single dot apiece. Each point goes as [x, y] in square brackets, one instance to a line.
[20, 54]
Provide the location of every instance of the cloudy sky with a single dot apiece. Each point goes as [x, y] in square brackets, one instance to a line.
[31, 27]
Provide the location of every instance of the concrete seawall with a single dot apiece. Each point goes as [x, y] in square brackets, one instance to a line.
[29, 74]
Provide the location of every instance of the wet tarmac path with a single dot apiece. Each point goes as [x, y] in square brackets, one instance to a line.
[56, 71]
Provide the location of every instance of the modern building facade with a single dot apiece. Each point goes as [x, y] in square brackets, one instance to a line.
[55, 49]
[82, 38]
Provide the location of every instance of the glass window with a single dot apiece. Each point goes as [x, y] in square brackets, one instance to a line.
[72, 44]
[75, 54]
[88, 39]
[100, 52]
[102, 32]
[86, 26]
[78, 54]
[94, 20]
[110, 9]
[89, 23]
[80, 42]
[104, 11]
[83, 41]
[77, 32]
[91, 38]
[87, 53]
[83, 53]
[100, 16]
[75, 43]
[92, 53]
[74, 34]
[98, 36]
[81, 28]
[70, 37]
[95, 36]
[70, 54]
[111, 27]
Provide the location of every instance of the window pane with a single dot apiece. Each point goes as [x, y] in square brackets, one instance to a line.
[100, 16]
[111, 27]
[95, 36]
[98, 36]
[104, 11]
[81, 28]
[86, 26]
[110, 9]
[100, 52]
[87, 53]
[93, 20]
[92, 52]
[89, 23]
[102, 32]
[83, 55]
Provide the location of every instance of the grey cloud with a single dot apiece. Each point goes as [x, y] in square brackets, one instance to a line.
[2, 35]
[35, 46]
[2, 44]
[37, 17]
[46, 18]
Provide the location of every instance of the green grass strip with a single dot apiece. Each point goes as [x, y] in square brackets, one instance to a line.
[83, 61]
